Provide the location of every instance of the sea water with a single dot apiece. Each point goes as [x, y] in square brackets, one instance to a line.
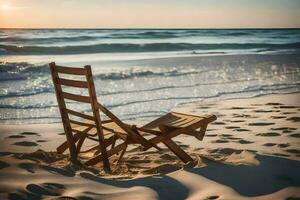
[143, 73]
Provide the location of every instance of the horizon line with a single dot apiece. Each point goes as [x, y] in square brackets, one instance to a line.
[152, 28]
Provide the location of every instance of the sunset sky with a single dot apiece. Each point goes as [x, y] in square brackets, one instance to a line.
[149, 13]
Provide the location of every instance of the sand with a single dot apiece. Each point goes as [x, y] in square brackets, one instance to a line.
[252, 151]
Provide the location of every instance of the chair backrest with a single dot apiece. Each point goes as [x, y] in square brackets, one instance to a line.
[91, 99]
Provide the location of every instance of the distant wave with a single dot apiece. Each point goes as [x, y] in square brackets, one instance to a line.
[47, 40]
[119, 35]
[148, 47]
[23, 71]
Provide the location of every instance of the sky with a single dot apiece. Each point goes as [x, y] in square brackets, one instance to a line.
[150, 14]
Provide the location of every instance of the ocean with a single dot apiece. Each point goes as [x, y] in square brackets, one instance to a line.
[143, 73]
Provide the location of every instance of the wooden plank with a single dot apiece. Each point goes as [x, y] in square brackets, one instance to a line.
[81, 123]
[122, 153]
[64, 115]
[72, 83]
[78, 114]
[96, 113]
[79, 144]
[70, 70]
[75, 97]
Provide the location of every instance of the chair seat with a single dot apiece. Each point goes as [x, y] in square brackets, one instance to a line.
[173, 120]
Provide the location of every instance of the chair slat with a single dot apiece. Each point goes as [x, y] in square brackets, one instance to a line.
[75, 97]
[81, 123]
[70, 70]
[78, 114]
[73, 83]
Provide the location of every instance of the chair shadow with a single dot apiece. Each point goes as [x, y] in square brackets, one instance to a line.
[271, 175]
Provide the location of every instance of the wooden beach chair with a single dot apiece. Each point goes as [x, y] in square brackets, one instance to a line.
[107, 132]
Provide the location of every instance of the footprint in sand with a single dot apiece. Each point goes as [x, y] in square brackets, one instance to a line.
[42, 141]
[29, 133]
[232, 127]
[16, 136]
[234, 138]
[278, 117]
[289, 113]
[212, 197]
[3, 164]
[241, 129]
[218, 123]
[226, 151]
[49, 189]
[263, 111]
[287, 131]
[211, 135]
[288, 107]
[269, 144]
[294, 119]
[239, 108]
[293, 151]
[237, 121]
[273, 104]
[226, 135]
[242, 116]
[296, 135]
[28, 167]
[220, 141]
[26, 143]
[184, 146]
[61, 171]
[269, 134]
[245, 142]
[284, 129]
[283, 145]
[261, 124]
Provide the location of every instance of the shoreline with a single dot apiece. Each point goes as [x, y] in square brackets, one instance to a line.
[188, 104]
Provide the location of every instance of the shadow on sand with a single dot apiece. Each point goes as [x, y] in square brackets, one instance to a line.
[271, 175]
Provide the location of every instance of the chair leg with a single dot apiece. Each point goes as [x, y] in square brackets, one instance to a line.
[64, 146]
[122, 153]
[177, 150]
[202, 130]
[79, 144]
[110, 152]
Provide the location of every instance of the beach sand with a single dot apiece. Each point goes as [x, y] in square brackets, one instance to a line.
[252, 151]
